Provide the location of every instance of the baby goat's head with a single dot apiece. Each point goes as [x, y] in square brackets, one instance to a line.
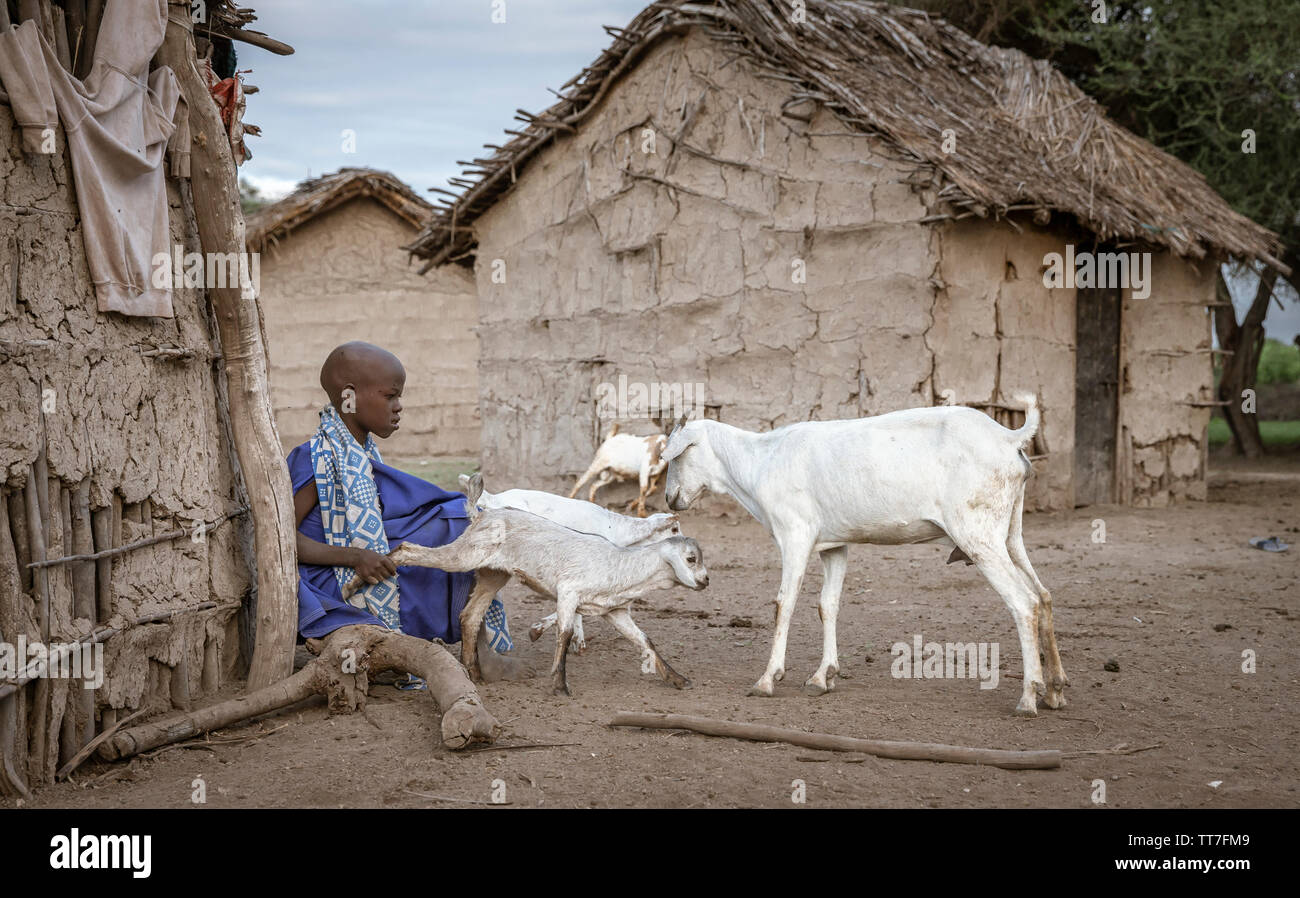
[659, 527]
[690, 462]
[687, 560]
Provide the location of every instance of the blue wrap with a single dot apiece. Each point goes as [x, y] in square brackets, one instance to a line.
[415, 511]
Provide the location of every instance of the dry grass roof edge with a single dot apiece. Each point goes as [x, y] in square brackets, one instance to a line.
[319, 195]
[1027, 137]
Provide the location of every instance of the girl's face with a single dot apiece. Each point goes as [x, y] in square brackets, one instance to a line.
[377, 401]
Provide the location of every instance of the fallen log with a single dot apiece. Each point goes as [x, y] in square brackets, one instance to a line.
[900, 751]
[346, 659]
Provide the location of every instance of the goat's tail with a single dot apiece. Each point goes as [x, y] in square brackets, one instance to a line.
[1032, 418]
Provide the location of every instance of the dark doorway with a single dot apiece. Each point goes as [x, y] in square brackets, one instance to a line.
[1096, 394]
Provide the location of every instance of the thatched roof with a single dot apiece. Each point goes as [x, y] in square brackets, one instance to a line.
[1028, 139]
[318, 195]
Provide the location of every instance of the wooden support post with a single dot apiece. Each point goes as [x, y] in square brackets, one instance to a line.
[210, 678]
[266, 477]
[61, 47]
[12, 779]
[94, 16]
[76, 10]
[41, 582]
[22, 544]
[180, 685]
[101, 525]
[84, 603]
[83, 543]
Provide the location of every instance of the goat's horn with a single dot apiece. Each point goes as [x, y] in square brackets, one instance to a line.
[677, 425]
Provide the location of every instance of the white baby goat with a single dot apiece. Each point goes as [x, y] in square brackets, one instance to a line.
[949, 475]
[583, 573]
[585, 517]
[621, 457]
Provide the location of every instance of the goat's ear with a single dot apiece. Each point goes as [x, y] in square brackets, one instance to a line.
[464, 481]
[678, 442]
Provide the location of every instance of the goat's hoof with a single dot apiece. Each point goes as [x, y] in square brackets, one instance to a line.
[579, 646]
[813, 687]
[535, 632]
[677, 681]
[1026, 709]
[1054, 700]
[762, 689]
[561, 690]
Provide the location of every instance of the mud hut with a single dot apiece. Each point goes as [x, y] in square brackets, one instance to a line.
[331, 263]
[834, 211]
[134, 407]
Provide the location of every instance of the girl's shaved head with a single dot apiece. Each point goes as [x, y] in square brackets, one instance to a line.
[362, 364]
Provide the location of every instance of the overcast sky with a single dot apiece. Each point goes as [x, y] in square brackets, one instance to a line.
[423, 83]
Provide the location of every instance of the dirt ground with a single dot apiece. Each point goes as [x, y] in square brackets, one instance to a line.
[1173, 595]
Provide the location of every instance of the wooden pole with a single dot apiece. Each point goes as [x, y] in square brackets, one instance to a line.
[210, 676]
[370, 649]
[41, 582]
[12, 781]
[901, 751]
[101, 525]
[94, 16]
[22, 544]
[104, 633]
[76, 10]
[137, 544]
[83, 596]
[266, 477]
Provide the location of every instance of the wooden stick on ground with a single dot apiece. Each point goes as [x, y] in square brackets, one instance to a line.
[90, 747]
[347, 657]
[900, 751]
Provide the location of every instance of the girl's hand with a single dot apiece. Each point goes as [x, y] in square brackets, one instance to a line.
[372, 566]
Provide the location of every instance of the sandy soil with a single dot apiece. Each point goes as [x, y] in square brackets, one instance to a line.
[1173, 595]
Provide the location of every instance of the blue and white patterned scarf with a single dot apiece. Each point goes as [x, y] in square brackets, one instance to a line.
[350, 510]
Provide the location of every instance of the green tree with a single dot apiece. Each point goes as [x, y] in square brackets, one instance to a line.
[250, 197]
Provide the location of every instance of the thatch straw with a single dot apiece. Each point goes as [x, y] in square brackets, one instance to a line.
[1027, 138]
[318, 195]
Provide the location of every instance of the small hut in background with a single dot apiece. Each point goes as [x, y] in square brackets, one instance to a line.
[124, 521]
[836, 215]
[332, 269]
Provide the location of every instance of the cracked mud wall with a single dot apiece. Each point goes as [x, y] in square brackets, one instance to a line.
[999, 332]
[141, 438]
[343, 276]
[1165, 369]
[675, 266]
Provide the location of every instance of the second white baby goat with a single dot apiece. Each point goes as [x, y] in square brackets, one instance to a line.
[584, 517]
[583, 573]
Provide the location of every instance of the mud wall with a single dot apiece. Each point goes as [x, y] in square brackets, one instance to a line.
[1166, 385]
[124, 442]
[342, 276]
[999, 332]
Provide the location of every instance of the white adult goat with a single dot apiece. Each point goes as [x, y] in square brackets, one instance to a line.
[949, 475]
